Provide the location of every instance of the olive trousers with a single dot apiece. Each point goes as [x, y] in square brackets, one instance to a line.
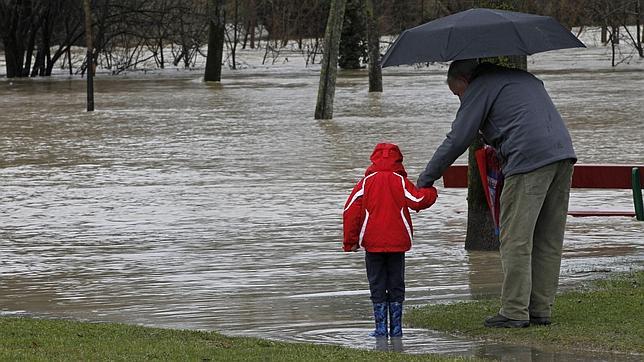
[534, 208]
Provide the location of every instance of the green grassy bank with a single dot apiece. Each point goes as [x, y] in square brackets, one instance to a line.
[27, 339]
[606, 315]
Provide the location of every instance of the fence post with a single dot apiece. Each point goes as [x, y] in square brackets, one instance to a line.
[637, 194]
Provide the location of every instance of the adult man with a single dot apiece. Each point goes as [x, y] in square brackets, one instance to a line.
[515, 115]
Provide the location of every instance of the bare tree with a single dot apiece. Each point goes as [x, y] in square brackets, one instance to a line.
[129, 34]
[373, 35]
[90, 48]
[216, 25]
[19, 24]
[328, 72]
[233, 39]
[613, 15]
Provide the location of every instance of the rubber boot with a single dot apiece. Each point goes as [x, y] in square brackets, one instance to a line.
[395, 319]
[380, 315]
[397, 345]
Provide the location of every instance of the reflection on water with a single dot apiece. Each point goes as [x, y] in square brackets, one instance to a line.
[485, 273]
[530, 354]
[179, 204]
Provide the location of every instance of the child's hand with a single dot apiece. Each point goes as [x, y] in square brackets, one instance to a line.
[354, 247]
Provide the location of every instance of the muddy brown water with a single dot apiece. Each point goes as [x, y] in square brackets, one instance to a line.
[218, 207]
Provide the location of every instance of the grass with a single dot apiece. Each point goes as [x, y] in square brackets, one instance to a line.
[28, 339]
[606, 315]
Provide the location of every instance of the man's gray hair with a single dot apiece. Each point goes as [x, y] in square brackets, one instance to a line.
[462, 69]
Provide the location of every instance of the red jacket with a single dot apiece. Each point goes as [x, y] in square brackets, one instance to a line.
[376, 215]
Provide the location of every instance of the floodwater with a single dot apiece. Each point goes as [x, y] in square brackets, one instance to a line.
[218, 207]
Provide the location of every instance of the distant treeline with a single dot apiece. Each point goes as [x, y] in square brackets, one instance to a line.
[38, 35]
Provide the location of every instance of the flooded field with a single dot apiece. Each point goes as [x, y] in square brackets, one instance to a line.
[188, 205]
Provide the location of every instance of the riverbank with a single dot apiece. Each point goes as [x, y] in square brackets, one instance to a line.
[602, 316]
[28, 339]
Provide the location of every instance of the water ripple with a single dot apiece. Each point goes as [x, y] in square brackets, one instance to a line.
[183, 205]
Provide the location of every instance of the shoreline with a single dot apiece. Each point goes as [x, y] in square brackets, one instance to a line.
[599, 316]
[583, 336]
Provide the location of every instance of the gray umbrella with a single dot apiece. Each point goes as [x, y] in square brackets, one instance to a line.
[479, 33]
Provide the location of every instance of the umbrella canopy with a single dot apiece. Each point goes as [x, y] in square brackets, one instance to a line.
[479, 33]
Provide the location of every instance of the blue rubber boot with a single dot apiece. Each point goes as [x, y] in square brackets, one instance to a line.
[395, 319]
[380, 315]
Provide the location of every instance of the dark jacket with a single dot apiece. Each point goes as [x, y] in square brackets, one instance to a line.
[515, 115]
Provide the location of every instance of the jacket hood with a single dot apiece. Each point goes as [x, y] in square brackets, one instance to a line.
[386, 157]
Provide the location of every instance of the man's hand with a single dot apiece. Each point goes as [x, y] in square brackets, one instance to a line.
[355, 247]
[423, 181]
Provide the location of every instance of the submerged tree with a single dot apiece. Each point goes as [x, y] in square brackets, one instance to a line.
[90, 55]
[30, 30]
[328, 71]
[36, 35]
[373, 42]
[353, 44]
[233, 39]
[614, 17]
[216, 34]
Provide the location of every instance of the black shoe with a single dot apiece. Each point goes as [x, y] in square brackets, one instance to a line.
[540, 321]
[499, 321]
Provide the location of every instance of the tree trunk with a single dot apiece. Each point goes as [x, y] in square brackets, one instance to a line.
[638, 41]
[246, 34]
[13, 57]
[19, 27]
[615, 34]
[46, 43]
[161, 58]
[373, 36]
[329, 69]
[90, 56]
[39, 63]
[233, 47]
[612, 45]
[353, 40]
[252, 34]
[69, 57]
[604, 38]
[216, 34]
[29, 54]
[480, 225]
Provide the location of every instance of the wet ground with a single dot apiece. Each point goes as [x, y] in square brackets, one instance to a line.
[185, 205]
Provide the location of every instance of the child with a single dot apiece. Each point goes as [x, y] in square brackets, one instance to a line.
[376, 216]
